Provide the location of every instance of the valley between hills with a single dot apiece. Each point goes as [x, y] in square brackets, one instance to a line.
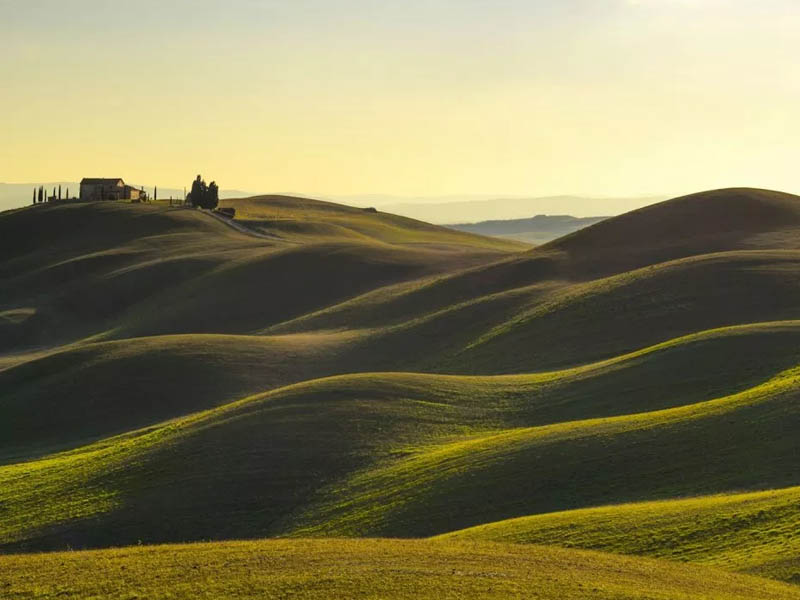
[327, 401]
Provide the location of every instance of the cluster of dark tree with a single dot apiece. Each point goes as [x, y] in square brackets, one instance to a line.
[202, 195]
[40, 194]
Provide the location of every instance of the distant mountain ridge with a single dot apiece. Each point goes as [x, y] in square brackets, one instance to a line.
[535, 230]
[473, 210]
[434, 209]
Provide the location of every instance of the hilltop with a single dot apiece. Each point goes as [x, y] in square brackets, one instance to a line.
[305, 219]
[16, 195]
[72, 271]
[631, 387]
[715, 221]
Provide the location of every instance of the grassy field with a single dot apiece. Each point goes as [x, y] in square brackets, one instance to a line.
[414, 454]
[145, 270]
[744, 441]
[632, 387]
[128, 384]
[753, 532]
[307, 220]
[369, 569]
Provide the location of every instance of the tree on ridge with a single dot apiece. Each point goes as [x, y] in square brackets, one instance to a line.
[202, 195]
[212, 196]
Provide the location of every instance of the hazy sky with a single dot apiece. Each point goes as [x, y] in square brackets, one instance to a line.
[410, 98]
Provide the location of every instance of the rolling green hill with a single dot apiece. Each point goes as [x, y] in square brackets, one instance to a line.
[753, 532]
[324, 371]
[133, 383]
[76, 270]
[308, 220]
[370, 569]
[744, 441]
[470, 439]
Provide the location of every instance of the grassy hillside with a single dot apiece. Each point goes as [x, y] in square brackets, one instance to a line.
[621, 313]
[600, 292]
[224, 368]
[77, 270]
[304, 219]
[744, 441]
[751, 532]
[470, 439]
[704, 223]
[551, 324]
[632, 387]
[370, 569]
[71, 397]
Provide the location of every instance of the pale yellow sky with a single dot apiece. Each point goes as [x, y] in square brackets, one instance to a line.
[426, 98]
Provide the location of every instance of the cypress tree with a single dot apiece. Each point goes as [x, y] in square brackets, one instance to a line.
[198, 193]
[34, 195]
[212, 196]
[59, 191]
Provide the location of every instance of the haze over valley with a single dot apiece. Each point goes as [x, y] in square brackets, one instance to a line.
[440, 210]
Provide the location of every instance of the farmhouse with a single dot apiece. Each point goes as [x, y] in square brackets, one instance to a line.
[108, 189]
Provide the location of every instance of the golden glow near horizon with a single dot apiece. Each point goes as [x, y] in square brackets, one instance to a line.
[415, 98]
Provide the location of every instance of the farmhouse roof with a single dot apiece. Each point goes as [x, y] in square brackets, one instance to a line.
[101, 181]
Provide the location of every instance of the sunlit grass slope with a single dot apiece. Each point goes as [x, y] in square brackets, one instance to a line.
[413, 454]
[369, 569]
[95, 390]
[74, 270]
[707, 260]
[743, 441]
[700, 224]
[613, 315]
[304, 219]
[753, 532]
[703, 223]
[70, 270]
[475, 320]
[553, 325]
[70, 397]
